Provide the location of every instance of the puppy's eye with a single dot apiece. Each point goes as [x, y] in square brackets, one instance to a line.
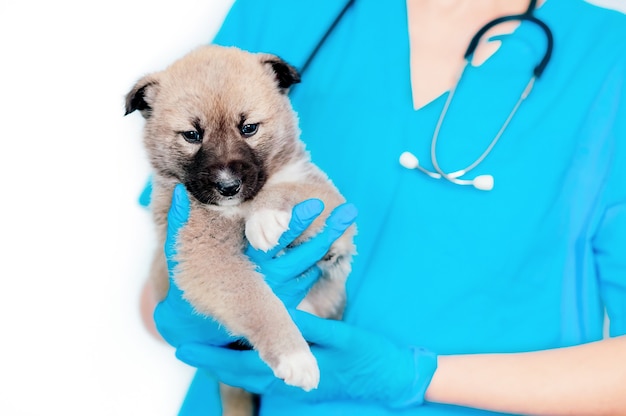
[249, 130]
[192, 136]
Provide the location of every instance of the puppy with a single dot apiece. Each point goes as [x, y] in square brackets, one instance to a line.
[219, 121]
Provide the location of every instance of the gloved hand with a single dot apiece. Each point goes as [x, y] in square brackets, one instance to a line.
[290, 274]
[354, 365]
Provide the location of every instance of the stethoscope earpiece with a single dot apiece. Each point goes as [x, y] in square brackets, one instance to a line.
[483, 182]
[409, 160]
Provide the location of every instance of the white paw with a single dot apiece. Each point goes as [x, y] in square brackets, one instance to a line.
[298, 369]
[264, 227]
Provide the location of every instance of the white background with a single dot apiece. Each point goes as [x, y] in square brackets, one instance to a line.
[75, 245]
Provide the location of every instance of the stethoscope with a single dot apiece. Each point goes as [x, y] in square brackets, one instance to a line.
[482, 182]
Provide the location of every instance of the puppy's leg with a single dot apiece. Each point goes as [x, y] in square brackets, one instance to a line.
[245, 305]
[236, 401]
[226, 286]
[265, 226]
[268, 218]
[269, 213]
[327, 297]
[158, 277]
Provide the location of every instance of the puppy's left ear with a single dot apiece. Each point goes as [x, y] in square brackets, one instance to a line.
[286, 75]
[142, 95]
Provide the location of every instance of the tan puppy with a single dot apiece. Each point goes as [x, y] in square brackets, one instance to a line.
[220, 122]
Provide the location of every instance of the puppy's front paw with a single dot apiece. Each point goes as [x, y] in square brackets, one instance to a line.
[298, 369]
[264, 227]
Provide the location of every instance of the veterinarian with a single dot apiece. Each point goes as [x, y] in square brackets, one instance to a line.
[490, 257]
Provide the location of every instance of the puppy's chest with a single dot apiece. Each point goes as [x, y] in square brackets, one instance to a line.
[212, 228]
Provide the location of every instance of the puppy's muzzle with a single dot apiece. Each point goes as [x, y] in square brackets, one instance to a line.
[228, 187]
[212, 181]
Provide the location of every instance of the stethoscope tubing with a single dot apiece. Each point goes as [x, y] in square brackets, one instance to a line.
[529, 17]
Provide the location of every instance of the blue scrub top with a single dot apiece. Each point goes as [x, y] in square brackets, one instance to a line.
[534, 263]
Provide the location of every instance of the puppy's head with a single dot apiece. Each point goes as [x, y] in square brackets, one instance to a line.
[219, 121]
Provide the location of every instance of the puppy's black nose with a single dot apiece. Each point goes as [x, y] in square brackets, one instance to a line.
[228, 188]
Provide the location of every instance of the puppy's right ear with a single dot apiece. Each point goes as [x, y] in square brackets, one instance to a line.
[141, 96]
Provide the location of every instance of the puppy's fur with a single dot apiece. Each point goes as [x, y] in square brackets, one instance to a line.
[220, 122]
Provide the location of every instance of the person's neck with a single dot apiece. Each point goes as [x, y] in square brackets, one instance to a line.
[461, 7]
[440, 31]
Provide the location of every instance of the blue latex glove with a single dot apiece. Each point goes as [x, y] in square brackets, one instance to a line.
[146, 194]
[354, 365]
[290, 274]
